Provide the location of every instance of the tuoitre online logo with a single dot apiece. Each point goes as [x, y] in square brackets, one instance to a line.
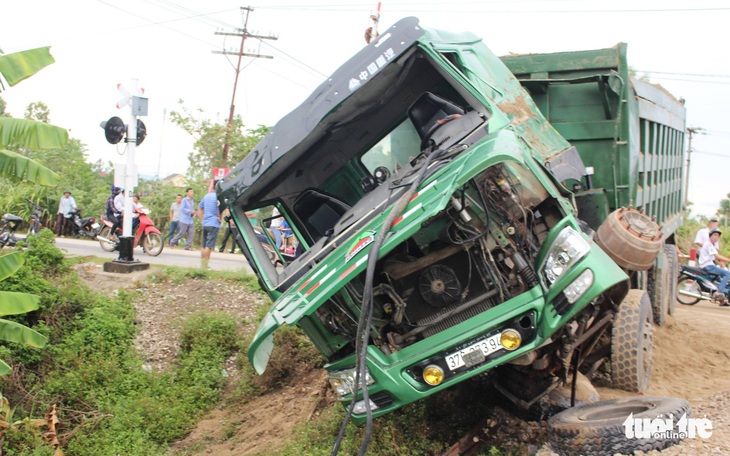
[658, 428]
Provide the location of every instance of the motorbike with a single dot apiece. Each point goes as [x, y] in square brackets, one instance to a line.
[83, 226]
[11, 223]
[695, 284]
[145, 234]
[35, 218]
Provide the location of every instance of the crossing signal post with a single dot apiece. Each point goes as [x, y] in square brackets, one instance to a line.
[133, 133]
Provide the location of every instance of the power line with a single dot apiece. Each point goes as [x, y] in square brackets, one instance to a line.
[243, 34]
[700, 75]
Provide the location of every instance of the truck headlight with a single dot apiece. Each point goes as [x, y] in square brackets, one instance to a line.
[343, 381]
[568, 248]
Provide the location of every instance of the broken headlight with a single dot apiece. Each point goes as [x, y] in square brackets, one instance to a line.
[564, 253]
[343, 381]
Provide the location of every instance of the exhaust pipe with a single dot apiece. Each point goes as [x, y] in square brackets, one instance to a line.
[694, 295]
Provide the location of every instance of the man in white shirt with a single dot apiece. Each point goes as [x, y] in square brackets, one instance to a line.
[708, 256]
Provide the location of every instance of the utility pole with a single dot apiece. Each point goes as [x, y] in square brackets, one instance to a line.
[243, 34]
[690, 132]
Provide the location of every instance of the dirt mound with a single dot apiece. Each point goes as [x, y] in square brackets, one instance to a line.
[692, 361]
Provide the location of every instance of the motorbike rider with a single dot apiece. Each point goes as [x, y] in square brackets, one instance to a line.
[118, 211]
[111, 211]
[708, 256]
[704, 234]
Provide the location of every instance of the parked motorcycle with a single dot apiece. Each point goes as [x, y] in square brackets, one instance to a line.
[145, 234]
[35, 218]
[11, 223]
[83, 226]
[696, 284]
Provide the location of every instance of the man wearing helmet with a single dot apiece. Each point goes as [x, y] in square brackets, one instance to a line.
[708, 256]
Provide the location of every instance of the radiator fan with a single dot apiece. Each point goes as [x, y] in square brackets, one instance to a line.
[439, 286]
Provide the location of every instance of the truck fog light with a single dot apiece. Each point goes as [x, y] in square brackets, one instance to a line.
[433, 375]
[359, 407]
[510, 339]
[578, 287]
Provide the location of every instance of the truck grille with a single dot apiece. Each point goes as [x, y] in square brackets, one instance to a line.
[472, 308]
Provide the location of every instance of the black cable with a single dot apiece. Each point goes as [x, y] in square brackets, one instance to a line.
[366, 310]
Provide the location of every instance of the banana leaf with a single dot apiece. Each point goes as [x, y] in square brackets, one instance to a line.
[11, 331]
[10, 263]
[21, 65]
[30, 134]
[20, 167]
[16, 303]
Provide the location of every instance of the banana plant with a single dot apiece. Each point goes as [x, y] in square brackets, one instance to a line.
[27, 134]
[14, 303]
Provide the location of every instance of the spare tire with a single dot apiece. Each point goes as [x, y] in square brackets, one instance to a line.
[598, 428]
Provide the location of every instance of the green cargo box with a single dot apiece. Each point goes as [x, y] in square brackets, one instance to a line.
[630, 132]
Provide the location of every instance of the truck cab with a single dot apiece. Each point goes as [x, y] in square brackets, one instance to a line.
[429, 235]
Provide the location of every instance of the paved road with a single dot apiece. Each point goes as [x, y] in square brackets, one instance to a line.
[172, 257]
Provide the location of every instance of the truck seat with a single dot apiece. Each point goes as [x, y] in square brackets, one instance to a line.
[319, 212]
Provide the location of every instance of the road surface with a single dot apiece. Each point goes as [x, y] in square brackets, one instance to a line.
[171, 257]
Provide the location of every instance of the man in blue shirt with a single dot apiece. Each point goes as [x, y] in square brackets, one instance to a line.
[186, 227]
[211, 216]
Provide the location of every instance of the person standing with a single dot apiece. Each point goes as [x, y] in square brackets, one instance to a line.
[185, 226]
[704, 234]
[231, 230]
[174, 217]
[275, 225]
[211, 216]
[65, 206]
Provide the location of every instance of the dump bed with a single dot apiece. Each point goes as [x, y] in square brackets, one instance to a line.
[631, 132]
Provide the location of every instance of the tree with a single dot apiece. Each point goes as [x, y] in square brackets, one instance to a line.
[210, 136]
[38, 111]
[724, 211]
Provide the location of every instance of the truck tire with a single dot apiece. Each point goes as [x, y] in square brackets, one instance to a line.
[659, 286]
[688, 284]
[598, 427]
[632, 343]
[670, 251]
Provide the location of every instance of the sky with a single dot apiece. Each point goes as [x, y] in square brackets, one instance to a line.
[171, 49]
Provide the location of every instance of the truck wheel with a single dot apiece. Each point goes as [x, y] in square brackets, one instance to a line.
[598, 427]
[670, 251]
[659, 285]
[689, 285]
[632, 343]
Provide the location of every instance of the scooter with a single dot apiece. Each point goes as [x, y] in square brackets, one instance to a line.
[35, 218]
[145, 234]
[83, 226]
[11, 222]
[695, 284]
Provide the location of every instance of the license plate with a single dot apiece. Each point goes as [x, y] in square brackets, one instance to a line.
[95, 225]
[474, 354]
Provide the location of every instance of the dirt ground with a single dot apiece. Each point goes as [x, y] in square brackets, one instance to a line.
[692, 361]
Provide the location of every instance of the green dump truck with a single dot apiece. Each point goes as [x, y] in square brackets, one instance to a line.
[629, 133]
[423, 222]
